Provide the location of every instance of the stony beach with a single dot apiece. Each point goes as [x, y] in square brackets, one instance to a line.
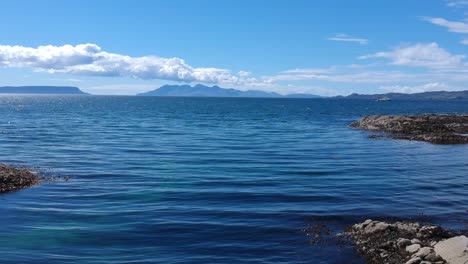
[407, 242]
[433, 128]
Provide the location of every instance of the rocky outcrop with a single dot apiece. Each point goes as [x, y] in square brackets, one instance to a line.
[408, 243]
[434, 128]
[12, 179]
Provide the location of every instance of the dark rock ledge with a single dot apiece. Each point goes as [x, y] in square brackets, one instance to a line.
[12, 179]
[434, 128]
[407, 243]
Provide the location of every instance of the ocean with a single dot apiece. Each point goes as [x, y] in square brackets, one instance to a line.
[214, 180]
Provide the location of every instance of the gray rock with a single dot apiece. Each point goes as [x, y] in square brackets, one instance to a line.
[411, 249]
[423, 252]
[454, 250]
[432, 257]
[363, 224]
[403, 242]
[431, 231]
[383, 255]
[415, 260]
[416, 241]
[410, 228]
[375, 227]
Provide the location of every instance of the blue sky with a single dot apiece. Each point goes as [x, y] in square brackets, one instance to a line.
[322, 47]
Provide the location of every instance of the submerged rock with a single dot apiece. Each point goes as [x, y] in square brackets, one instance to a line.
[12, 179]
[434, 128]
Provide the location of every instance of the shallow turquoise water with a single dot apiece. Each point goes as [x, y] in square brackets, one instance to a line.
[213, 180]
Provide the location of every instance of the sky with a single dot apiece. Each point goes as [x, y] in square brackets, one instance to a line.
[319, 47]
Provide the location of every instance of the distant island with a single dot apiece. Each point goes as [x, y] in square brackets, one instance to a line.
[200, 90]
[40, 90]
[438, 95]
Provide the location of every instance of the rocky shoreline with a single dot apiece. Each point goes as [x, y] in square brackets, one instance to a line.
[408, 243]
[434, 128]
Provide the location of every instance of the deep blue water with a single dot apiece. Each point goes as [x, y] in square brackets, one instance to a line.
[213, 180]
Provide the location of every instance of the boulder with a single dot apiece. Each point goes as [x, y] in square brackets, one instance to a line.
[411, 249]
[454, 250]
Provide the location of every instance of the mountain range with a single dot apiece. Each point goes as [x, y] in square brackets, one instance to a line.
[40, 90]
[200, 90]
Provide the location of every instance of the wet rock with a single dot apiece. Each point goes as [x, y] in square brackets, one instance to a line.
[433, 231]
[12, 179]
[434, 128]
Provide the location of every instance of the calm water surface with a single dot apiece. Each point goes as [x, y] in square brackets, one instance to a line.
[213, 180]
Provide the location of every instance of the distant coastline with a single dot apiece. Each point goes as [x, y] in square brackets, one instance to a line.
[436, 95]
[200, 90]
[40, 90]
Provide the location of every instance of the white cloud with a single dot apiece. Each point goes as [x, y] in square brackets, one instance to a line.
[464, 42]
[90, 59]
[346, 38]
[294, 77]
[422, 55]
[452, 26]
[369, 77]
[309, 71]
[118, 89]
[428, 87]
[458, 3]
[244, 73]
